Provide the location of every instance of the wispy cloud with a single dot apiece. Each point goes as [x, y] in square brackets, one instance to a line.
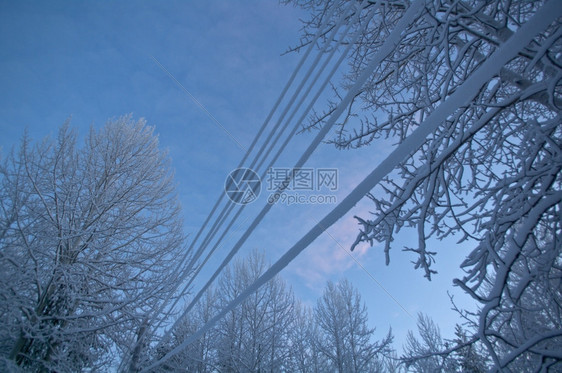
[199, 104]
[325, 258]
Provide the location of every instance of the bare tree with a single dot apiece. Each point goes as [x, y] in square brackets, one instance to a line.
[344, 338]
[87, 239]
[490, 173]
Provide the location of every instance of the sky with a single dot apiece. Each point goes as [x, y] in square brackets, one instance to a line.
[92, 61]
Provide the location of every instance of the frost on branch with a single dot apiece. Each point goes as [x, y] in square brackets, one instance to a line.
[490, 174]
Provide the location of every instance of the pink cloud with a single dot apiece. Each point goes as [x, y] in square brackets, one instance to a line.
[326, 257]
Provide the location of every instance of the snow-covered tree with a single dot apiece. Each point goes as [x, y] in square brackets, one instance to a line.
[272, 332]
[528, 319]
[430, 353]
[428, 345]
[469, 357]
[489, 173]
[304, 341]
[421, 355]
[344, 337]
[88, 235]
[201, 355]
[254, 336]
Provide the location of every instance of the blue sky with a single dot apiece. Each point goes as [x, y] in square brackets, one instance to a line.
[95, 60]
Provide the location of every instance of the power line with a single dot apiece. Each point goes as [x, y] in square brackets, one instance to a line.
[188, 268]
[359, 192]
[462, 96]
[224, 212]
[266, 209]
